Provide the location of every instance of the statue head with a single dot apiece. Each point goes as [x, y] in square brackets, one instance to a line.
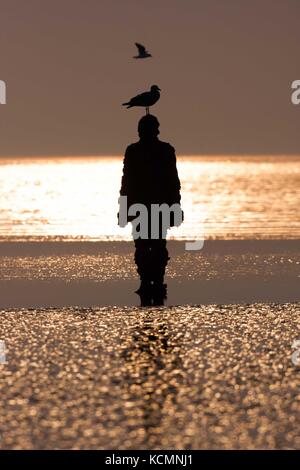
[148, 127]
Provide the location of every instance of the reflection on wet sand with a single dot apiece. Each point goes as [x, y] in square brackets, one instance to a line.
[150, 353]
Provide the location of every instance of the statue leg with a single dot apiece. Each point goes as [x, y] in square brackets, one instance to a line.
[159, 260]
[142, 259]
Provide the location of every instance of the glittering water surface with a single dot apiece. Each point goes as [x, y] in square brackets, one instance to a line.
[223, 197]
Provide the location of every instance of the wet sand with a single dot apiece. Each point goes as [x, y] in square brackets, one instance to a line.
[85, 274]
[207, 377]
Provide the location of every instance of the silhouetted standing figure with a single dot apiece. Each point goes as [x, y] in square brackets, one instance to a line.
[150, 177]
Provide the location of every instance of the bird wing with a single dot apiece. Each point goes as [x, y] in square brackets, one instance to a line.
[141, 48]
[140, 100]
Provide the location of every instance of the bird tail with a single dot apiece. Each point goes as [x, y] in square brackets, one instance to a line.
[127, 104]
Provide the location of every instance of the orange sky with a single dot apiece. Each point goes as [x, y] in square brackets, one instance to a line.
[224, 67]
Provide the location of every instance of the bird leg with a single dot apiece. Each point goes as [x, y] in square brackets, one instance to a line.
[147, 109]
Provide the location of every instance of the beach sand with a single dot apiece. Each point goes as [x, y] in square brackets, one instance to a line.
[86, 368]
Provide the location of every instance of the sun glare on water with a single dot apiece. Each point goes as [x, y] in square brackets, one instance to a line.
[77, 198]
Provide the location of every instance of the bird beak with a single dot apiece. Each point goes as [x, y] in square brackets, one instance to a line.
[159, 89]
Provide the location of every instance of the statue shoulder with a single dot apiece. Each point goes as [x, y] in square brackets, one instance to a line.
[167, 148]
[131, 149]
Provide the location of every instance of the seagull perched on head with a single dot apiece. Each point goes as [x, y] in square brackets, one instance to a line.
[147, 99]
[143, 54]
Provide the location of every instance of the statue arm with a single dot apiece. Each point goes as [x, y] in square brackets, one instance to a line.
[125, 177]
[174, 186]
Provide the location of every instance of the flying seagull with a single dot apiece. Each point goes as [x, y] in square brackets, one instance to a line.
[143, 54]
[147, 99]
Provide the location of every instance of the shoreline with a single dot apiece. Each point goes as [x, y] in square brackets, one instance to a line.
[25, 248]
